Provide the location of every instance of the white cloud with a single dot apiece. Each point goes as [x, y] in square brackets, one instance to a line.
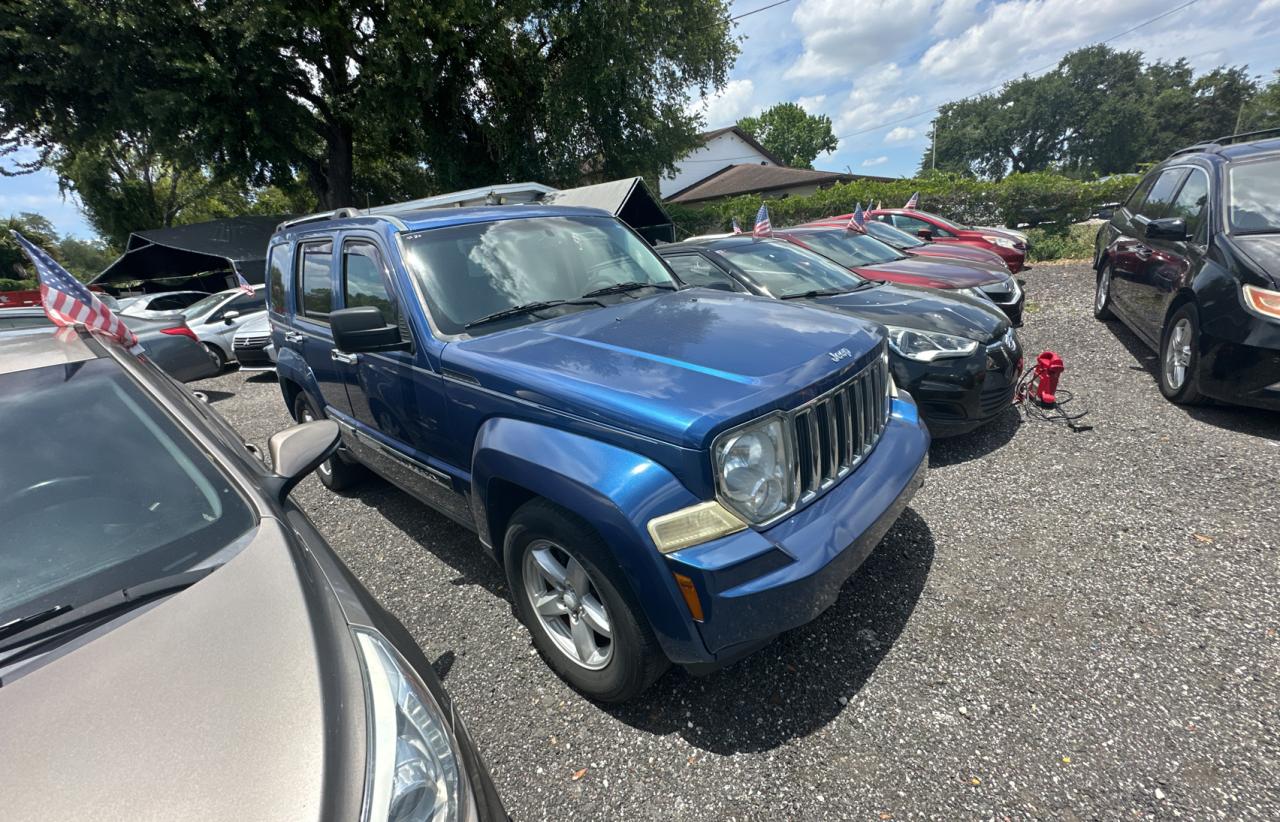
[901, 134]
[840, 38]
[733, 102]
[814, 104]
[875, 161]
[954, 16]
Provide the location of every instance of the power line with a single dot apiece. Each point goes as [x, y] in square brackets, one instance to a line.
[989, 89]
[757, 11]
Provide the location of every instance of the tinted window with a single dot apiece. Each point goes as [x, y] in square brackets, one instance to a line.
[785, 269]
[1160, 200]
[203, 306]
[470, 271]
[247, 304]
[895, 237]
[363, 282]
[1140, 193]
[1191, 201]
[912, 226]
[695, 269]
[275, 277]
[314, 289]
[86, 514]
[171, 303]
[1255, 196]
[849, 248]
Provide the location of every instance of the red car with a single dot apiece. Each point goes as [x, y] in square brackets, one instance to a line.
[913, 246]
[1010, 245]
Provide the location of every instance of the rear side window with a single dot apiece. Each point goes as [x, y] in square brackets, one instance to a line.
[276, 265]
[913, 226]
[312, 283]
[1160, 200]
[1191, 203]
[363, 282]
[1139, 195]
[695, 269]
[246, 304]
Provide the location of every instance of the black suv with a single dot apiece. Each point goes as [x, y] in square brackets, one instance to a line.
[1191, 262]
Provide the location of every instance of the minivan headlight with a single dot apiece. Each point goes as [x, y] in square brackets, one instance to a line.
[753, 466]
[414, 772]
[927, 346]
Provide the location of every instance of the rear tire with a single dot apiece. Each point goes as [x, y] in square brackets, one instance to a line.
[336, 473]
[587, 629]
[1179, 373]
[216, 353]
[1102, 294]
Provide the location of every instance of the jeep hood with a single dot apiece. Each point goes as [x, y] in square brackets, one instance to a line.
[932, 272]
[675, 367]
[925, 309]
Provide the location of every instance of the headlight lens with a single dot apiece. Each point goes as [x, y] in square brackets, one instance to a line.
[414, 772]
[927, 346]
[1263, 301]
[754, 469]
[1003, 242]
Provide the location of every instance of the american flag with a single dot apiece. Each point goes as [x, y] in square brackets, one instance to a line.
[66, 300]
[857, 220]
[243, 284]
[737, 229]
[763, 227]
[913, 202]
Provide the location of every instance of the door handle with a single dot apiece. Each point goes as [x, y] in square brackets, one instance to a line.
[293, 337]
[342, 357]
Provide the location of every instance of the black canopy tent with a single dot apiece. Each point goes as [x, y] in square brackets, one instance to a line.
[197, 257]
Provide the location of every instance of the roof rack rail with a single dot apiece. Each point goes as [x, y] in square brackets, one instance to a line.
[1245, 136]
[1192, 149]
[336, 214]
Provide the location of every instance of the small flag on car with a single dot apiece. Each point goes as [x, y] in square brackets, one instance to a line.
[857, 220]
[67, 301]
[737, 229]
[243, 284]
[763, 227]
[913, 202]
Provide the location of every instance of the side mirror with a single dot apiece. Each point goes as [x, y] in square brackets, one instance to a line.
[364, 329]
[924, 234]
[297, 451]
[230, 317]
[1167, 228]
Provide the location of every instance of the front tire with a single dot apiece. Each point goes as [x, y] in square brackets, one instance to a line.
[1102, 294]
[1180, 357]
[336, 473]
[568, 591]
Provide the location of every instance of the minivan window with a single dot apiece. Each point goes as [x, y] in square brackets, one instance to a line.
[314, 289]
[279, 261]
[86, 514]
[1160, 200]
[1254, 207]
[786, 270]
[363, 282]
[1191, 201]
[471, 271]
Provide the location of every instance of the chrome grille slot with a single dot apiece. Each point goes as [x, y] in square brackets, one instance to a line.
[834, 432]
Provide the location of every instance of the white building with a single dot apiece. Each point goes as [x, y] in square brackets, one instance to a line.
[720, 148]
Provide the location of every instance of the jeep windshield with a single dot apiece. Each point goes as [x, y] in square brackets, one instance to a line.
[524, 270]
[849, 248]
[1254, 203]
[789, 271]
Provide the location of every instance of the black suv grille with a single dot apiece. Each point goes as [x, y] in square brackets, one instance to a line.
[836, 431]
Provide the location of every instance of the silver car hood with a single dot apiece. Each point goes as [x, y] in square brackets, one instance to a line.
[210, 705]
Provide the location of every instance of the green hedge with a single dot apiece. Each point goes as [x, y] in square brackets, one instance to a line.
[1049, 201]
[1076, 243]
[17, 285]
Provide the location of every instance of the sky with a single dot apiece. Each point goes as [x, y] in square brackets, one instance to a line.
[866, 64]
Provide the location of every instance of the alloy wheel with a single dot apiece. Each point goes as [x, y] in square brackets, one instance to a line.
[1103, 291]
[1177, 354]
[325, 467]
[568, 604]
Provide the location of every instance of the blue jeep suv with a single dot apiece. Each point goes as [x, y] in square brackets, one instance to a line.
[666, 476]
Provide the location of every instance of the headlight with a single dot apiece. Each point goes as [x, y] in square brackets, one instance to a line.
[753, 466]
[1003, 242]
[414, 772]
[927, 346]
[1008, 289]
[1263, 301]
[976, 293]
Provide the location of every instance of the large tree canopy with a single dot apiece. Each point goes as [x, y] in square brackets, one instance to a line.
[1100, 111]
[791, 133]
[362, 99]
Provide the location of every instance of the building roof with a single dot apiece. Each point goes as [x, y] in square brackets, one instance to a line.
[752, 178]
[708, 136]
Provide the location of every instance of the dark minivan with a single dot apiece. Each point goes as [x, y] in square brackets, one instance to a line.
[1191, 262]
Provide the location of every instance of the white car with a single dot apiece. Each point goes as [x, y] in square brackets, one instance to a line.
[218, 317]
[139, 304]
[253, 346]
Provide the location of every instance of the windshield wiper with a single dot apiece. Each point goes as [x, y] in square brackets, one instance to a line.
[68, 617]
[826, 292]
[619, 288]
[22, 623]
[528, 308]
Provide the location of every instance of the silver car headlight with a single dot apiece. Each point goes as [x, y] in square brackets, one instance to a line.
[927, 346]
[414, 771]
[754, 469]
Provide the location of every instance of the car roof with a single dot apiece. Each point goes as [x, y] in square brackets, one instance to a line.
[28, 348]
[428, 218]
[1230, 151]
[701, 243]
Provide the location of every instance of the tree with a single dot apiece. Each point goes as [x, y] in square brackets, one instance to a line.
[1263, 111]
[15, 268]
[85, 258]
[792, 134]
[419, 94]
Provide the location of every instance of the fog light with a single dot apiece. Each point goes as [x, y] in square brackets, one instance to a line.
[693, 525]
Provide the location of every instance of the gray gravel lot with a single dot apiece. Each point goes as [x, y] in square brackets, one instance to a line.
[1064, 625]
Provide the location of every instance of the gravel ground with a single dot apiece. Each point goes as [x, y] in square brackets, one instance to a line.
[1063, 625]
